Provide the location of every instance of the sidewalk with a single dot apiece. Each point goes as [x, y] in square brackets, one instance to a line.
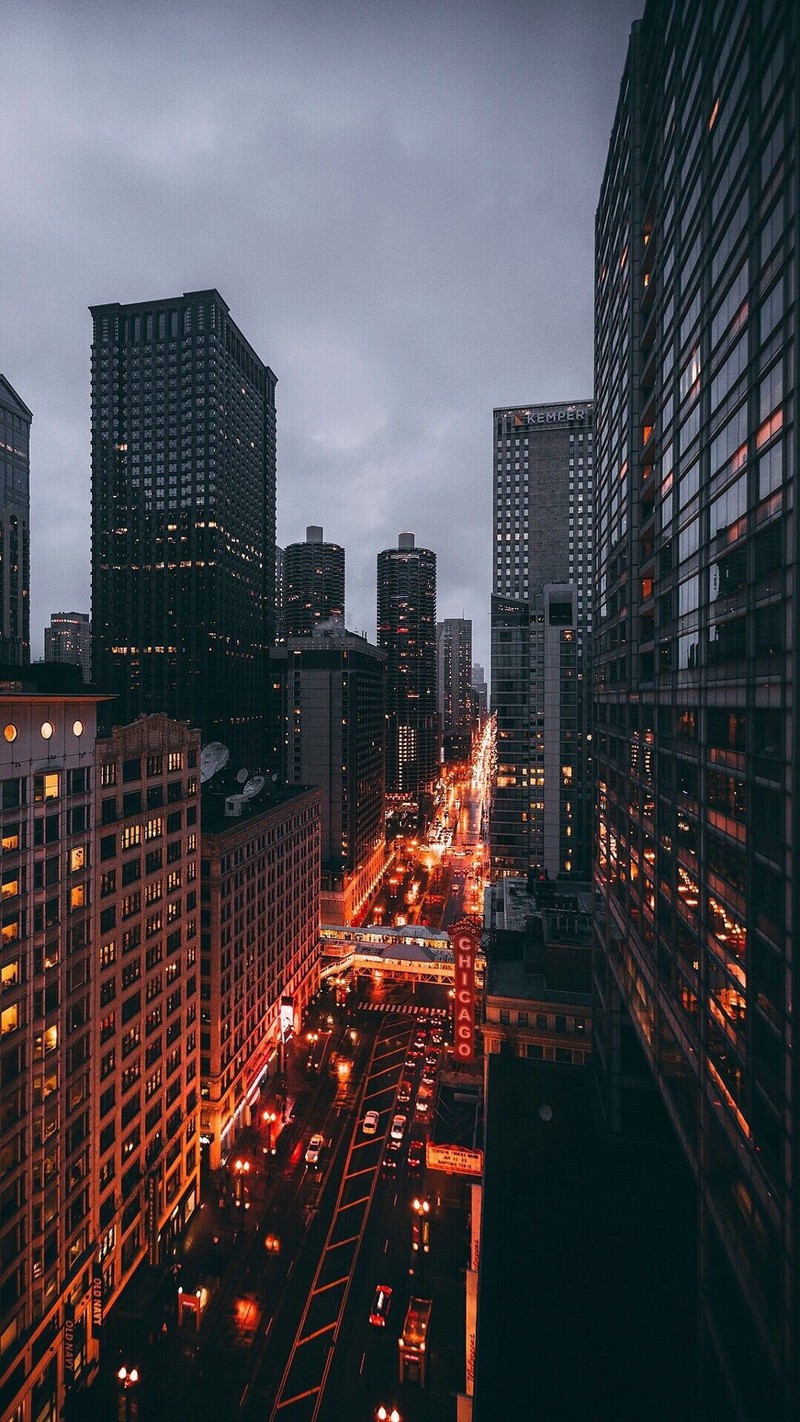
[142, 1330]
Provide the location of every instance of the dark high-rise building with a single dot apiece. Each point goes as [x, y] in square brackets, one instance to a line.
[334, 697]
[407, 634]
[541, 618]
[183, 517]
[313, 584]
[453, 672]
[478, 684]
[696, 724]
[69, 639]
[15, 507]
[279, 630]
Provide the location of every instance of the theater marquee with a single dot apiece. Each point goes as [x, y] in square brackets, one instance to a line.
[465, 937]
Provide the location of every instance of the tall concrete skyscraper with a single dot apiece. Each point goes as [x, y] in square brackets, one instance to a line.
[696, 680]
[407, 634]
[313, 584]
[15, 506]
[69, 639]
[541, 617]
[453, 672]
[183, 517]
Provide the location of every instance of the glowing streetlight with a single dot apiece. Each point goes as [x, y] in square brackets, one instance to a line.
[241, 1169]
[269, 1118]
[128, 1407]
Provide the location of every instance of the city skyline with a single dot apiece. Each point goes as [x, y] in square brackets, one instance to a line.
[375, 299]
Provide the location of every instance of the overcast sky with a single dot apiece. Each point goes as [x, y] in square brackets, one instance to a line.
[395, 199]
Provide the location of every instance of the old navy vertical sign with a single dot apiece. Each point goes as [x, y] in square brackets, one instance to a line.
[465, 947]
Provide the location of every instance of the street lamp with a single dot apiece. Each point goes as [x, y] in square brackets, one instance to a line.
[269, 1118]
[128, 1406]
[241, 1170]
[421, 1229]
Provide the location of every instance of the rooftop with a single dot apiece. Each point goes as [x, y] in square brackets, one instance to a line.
[586, 1303]
[520, 979]
[251, 810]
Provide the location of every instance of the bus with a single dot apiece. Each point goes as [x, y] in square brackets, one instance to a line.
[317, 1052]
[413, 1341]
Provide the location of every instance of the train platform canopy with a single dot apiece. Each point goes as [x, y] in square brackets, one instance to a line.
[414, 950]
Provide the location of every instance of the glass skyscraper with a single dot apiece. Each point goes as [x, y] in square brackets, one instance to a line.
[15, 509]
[694, 674]
[540, 627]
[183, 518]
[407, 634]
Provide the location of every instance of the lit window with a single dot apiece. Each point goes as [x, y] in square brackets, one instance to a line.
[47, 730]
[77, 728]
[10, 733]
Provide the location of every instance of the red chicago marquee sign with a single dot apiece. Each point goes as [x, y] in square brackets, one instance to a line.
[465, 938]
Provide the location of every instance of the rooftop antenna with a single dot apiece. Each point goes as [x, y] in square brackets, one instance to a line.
[254, 787]
[242, 775]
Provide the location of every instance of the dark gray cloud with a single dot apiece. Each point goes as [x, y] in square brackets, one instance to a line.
[396, 200]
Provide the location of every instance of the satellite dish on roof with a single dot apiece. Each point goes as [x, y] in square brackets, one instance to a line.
[254, 786]
[212, 758]
[241, 776]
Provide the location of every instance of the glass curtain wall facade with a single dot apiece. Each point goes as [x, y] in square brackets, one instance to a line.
[696, 627]
[183, 518]
[540, 629]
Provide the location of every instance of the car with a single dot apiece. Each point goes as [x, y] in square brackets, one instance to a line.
[423, 1110]
[415, 1152]
[432, 1059]
[420, 1042]
[381, 1303]
[411, 1062]
[436, 1038]
[398, 1128]
[404, 1092]
[314, 1149]
[369, 1125]
[391, 1155]
[428, 1078]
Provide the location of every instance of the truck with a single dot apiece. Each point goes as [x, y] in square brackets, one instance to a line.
[413, 1342]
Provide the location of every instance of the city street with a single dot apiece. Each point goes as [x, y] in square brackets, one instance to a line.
[438, 880]
[265, 1309]
[289, 1263]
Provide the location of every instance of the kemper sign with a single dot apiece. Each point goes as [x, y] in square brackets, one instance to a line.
[549, 417]
[465, 940]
